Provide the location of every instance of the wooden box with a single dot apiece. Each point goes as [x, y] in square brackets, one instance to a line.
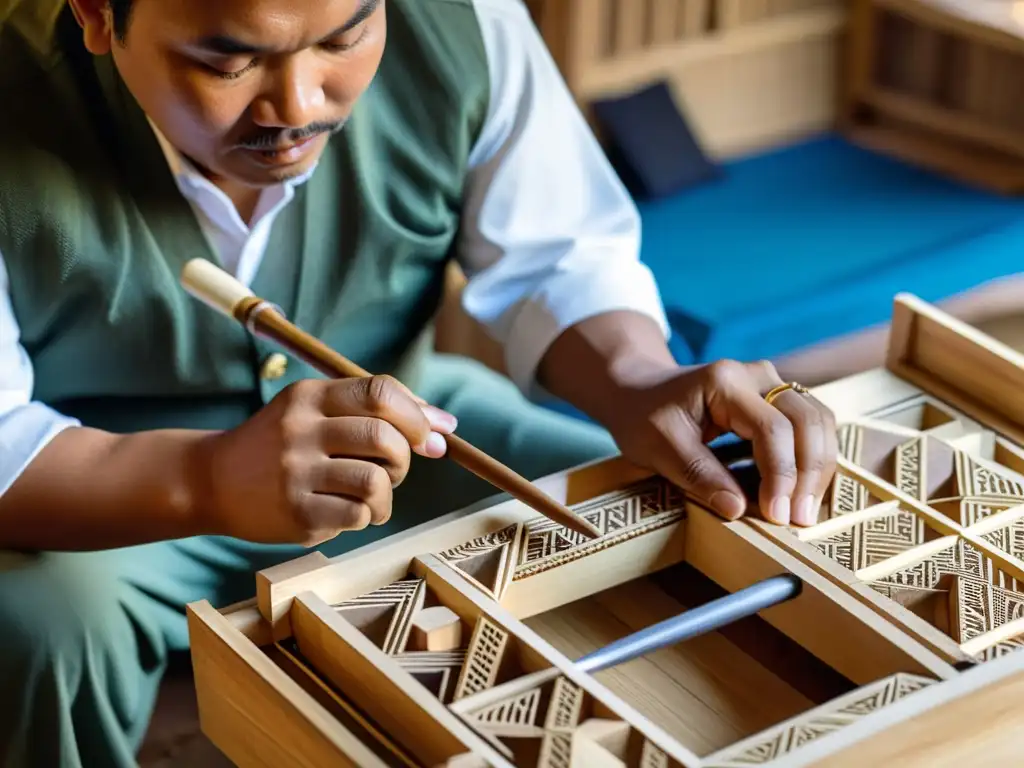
[748, 74]
[937, 83]
[453, 644]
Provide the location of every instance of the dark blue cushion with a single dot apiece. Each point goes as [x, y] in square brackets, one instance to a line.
[649, 142]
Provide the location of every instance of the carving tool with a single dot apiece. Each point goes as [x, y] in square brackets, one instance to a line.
[697, 621]
[219, 290]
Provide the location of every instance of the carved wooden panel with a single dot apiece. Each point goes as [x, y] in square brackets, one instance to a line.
[875, 540]
[927, 510]
[545, 720]
[789, 736]
[493, 561]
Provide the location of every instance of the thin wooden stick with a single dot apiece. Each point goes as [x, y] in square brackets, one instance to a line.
[219, 290]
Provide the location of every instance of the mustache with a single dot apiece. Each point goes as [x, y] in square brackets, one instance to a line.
[271, 139]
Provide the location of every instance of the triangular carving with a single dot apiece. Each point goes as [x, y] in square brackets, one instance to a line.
[874, 540]
[437, 671]
[980, 607]
[978, 481]
[870, 448]
[488, 562]
[385, 615]
[847, 494]
[516, 711]
[1009, 539]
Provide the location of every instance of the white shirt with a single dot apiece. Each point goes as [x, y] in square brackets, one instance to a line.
[550, 236]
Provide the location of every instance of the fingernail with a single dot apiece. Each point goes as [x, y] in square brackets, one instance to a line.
[780, 511]
[435, 446]
[806, 512]
[728, 505]
[440, 420]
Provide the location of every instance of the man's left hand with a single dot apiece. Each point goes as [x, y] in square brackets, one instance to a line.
[665, 422]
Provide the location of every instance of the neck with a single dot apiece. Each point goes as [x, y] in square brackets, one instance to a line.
[244, 197]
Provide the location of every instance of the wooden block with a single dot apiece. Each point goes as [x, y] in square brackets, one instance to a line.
[437, 628]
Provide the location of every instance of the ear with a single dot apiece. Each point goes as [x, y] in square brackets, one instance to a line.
[97, 24]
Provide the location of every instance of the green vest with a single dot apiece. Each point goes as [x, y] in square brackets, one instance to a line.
[94, 231]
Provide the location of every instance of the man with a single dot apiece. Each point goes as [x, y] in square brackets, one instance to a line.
[152, 453]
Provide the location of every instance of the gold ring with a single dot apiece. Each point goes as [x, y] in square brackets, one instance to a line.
[800, 389]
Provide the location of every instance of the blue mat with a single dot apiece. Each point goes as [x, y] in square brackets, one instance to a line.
[813, 241]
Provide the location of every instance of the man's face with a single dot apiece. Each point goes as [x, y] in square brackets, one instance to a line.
[250, 90]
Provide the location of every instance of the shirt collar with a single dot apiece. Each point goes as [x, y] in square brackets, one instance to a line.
[196, 187]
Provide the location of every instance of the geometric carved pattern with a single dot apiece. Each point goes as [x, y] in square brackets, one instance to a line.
[488, 561]
[385, 615]
[929, 470]
[874, 540]
[982, 607]
[976, 597]
[961, 560]
[1009, 540]
[998, 650]
[435, 670]
[848, 495]
[789, 736]
[483, 659]
[619, 516]
[547, 712]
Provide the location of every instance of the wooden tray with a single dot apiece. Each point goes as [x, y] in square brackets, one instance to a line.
[452, 644]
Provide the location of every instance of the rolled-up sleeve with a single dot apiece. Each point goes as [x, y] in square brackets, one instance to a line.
[26, 426]
[550, 236]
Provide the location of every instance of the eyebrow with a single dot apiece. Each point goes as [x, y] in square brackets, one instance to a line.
[231, 46]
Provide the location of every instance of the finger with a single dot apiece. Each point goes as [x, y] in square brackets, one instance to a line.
[831, 450]
[440, 421]
[689, 463]
[362, 482]
[811, 452]
[363, 437]
[771, 435]
[383, 397]
[327, 515]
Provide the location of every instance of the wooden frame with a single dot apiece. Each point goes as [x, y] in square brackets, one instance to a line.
[932, 86]
[452, 644]
[749, 74]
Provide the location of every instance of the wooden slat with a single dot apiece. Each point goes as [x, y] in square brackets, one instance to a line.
[629, 22]
[970, 164]
[959, 365]
[663, 21]
[380, 687]
[694, 17]
[936, 118]
[253, 712]
[832, 625]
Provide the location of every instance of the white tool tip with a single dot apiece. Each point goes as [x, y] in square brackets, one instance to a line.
[213, 286]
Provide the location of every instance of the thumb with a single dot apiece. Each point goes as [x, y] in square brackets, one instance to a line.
[692, 466]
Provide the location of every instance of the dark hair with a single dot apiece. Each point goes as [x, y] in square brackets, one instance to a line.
[120, 10]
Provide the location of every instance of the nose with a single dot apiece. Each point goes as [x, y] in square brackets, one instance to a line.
[293, 98]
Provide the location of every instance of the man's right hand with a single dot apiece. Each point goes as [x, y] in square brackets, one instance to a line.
[323, 457]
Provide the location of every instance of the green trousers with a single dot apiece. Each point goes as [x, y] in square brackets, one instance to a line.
[85, 638]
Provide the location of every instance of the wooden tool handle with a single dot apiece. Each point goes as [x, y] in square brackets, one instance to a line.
[219, 290]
